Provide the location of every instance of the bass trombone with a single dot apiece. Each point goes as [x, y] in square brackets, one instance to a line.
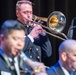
[56, 22]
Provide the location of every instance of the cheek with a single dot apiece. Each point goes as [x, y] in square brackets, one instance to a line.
[23, 15]
[31, 17]
[22, 45]
[8, 43]
[11, 43]
[8, 46]
[72, 60]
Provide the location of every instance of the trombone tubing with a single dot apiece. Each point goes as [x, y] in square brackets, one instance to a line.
[55, 36]
[48, 29]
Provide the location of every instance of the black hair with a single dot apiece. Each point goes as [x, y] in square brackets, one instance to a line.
[10, 25]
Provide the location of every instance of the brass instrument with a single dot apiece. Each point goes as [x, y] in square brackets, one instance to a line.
[56, 22]
[30, 63]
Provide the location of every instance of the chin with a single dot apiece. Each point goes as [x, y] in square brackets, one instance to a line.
[15, 54]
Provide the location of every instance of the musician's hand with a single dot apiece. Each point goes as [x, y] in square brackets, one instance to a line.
[36, 31]
[39, 67]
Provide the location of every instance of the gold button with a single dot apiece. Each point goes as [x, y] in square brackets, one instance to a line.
[30, 56]
[30, 48]
[38, 57]
[37, 49]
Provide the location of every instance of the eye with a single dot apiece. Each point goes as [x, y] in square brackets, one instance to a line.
[26, 12]
[15, 38]
[18, 38]
[75, 55]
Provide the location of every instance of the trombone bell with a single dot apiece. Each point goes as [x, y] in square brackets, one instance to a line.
[53, 21]
[56, 21]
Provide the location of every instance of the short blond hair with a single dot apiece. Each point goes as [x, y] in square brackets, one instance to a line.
[18, 4]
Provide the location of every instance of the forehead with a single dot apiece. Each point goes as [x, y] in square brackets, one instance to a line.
[25, 6]
[17, 33]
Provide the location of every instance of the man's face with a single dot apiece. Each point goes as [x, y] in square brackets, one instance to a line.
[14, 42]
[71, 61]
[24, 13]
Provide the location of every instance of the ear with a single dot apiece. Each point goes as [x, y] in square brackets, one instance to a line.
[64, 56]
[17, 13]
[1, 37]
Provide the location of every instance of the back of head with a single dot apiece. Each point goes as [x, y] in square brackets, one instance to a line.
[67, 46]
[10, 25]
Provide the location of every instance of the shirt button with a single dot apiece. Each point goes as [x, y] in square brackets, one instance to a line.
[37, 49]
[30, 56]
[38, 57]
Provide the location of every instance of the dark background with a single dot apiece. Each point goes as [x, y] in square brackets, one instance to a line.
[43, 8]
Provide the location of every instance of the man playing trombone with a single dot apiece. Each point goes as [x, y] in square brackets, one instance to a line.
[37, 44]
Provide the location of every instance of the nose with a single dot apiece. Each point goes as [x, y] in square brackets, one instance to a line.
[28, 15]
